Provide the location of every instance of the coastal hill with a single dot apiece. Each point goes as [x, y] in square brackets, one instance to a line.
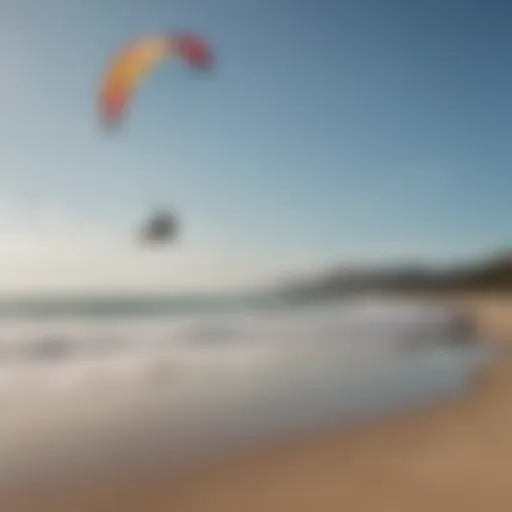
[493, 273]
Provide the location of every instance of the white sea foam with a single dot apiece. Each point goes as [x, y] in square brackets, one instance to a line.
[87, 394]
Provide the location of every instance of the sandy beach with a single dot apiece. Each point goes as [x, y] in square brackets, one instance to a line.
[456, 456]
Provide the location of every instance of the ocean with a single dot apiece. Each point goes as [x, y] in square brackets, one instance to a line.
[107, 384]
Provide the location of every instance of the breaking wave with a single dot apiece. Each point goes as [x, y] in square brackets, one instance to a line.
[184, 383]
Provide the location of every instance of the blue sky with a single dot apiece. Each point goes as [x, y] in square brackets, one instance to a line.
[329, 131]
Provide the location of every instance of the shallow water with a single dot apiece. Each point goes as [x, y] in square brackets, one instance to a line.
[96, 396]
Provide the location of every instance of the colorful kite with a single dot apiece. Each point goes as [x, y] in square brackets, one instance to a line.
[131, 65]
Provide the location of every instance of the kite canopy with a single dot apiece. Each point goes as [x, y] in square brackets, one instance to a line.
[134, 62]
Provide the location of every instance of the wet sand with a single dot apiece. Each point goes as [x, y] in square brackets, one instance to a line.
[456, 456]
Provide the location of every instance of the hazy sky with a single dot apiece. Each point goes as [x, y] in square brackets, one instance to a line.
[330, 131]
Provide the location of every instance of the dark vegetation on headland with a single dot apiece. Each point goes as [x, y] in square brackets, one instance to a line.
[493, 274]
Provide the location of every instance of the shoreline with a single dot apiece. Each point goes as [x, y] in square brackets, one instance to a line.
[453, 456]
